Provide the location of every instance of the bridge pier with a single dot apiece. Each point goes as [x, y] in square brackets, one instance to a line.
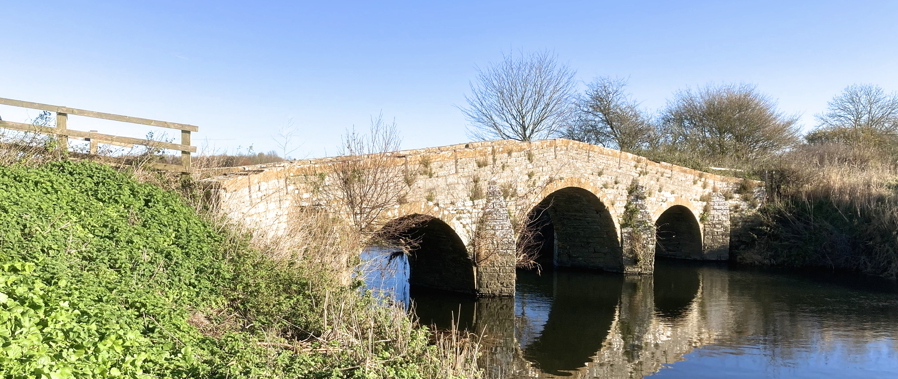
[494, 247]
[637, 233]
[716, 241]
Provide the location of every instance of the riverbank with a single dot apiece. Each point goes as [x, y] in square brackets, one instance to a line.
[101, 275]
[831, 207]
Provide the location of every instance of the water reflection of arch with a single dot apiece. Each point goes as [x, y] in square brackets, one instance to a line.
[438, 258]
[677, 285]
[598, 325]
[641, 341]
[445, 311]
[581, 314]
[613, 326]
[576, 226]
[679, 234]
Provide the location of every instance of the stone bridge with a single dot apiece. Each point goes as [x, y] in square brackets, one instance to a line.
[477, 207]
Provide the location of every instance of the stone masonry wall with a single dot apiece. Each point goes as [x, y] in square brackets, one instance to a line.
[494, 247]
[716, 239]
[450, 183]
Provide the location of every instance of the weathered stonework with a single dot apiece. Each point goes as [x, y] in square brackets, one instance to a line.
[494, 247]
[585, 191]
[637, 233]
[716, 220]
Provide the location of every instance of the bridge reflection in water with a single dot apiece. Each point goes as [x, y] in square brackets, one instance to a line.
[588, 324]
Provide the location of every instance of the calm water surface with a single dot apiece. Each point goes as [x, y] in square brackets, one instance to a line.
[685, 321]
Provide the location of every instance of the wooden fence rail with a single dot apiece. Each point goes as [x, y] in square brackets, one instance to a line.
[62, 132]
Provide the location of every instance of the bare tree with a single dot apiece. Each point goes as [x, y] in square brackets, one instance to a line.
[524, 97]
[731, 124]
[862, 113]
[369, 181]
[285, 139]
[607, 116]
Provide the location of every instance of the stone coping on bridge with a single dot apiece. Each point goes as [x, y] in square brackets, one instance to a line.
[467, 150]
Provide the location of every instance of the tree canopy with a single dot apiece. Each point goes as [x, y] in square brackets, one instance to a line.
[861, 114]
[727, 123]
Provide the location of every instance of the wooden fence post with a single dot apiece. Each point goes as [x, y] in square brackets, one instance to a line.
[62, 126]
[93, 144]
[185, 155]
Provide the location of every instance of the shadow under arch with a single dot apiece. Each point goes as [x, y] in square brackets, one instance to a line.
[437, 257]
[572, 227]
[678, 234]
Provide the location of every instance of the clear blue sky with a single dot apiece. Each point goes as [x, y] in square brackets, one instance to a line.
[242, 70]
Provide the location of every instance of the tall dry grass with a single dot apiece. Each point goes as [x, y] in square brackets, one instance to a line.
[22, 148]
[248, 158]
[353, 322]
[832, 206]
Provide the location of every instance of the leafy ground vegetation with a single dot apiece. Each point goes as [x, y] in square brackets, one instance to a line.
[105, 276]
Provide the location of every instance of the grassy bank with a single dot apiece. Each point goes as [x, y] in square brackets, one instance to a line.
[833, 207]
[101, 275]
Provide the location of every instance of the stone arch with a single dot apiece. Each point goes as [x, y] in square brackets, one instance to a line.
[437, 257]
[576, 228]
[679, 234]
[431, 210]
[676, 201]
[596, 191]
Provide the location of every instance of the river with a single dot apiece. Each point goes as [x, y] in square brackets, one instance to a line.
[688, 320]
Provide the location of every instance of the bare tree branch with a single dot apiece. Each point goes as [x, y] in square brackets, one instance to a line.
[524, 97]
[862, 113]
[607, 116]
[368, 181]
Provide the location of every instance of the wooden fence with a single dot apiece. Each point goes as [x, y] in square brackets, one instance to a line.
[62, 132]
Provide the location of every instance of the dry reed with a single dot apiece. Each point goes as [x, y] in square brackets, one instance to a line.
[832, 206]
